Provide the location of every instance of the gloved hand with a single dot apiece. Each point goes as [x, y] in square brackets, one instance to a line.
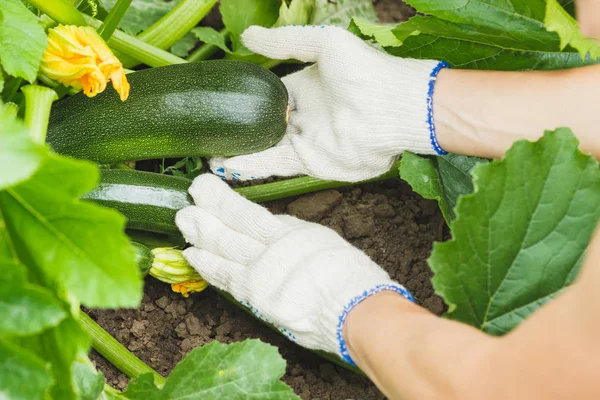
[299, 276]
[353, 112]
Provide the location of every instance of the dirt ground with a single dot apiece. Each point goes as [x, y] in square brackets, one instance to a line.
[393, 225]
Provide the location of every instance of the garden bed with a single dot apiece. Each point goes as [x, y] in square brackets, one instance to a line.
[393, 225]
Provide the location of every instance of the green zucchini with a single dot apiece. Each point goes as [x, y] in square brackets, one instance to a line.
[143, 257]
[149, 201]
[207, 108]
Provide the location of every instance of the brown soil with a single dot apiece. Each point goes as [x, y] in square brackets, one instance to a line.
[393, 225]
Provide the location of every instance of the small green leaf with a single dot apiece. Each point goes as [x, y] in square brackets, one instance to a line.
[381, 33]
[299, 12]
[250, 369]
[25, 309]
[184, 45]
[88, 383]
[79, 246]
[22, 40]
[210, 36]
[20, 157]
[341, 12]
[519, 239]
[22, 375]
[444, 179]
[240, 14]
[559, 21]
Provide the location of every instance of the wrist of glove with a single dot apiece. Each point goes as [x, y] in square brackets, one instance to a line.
[352, 112]
[301, 277]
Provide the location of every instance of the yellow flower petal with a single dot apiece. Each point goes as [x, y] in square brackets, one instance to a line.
[77, 56]
[185, 288]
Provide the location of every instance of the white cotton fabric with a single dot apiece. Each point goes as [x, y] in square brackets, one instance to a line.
[353, 112]
[297, 275]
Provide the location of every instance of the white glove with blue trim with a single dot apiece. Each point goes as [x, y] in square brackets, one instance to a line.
[352, 112]
[301, 277]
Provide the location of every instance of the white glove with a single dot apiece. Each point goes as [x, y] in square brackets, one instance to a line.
[301, 277]
[353, 112]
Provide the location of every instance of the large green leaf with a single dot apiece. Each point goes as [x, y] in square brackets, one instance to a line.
[239, 15]
[248, 370]
[444, 179]
[519, 239]
[25, 308]
[141, 13]
[20, 157]
[22, 375]
[22, 40]
[77, 246]
[88, 383]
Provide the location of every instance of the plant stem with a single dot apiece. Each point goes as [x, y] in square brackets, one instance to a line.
[207, 50]
[173, 26]
[10, 88]
[306, 184]
[113, 18]
[138, 49]
[271, 64]
[38, 101]
[60, 10]
[124, 360]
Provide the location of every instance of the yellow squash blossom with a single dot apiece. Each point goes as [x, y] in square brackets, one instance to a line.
[170, 266]
[77, 56]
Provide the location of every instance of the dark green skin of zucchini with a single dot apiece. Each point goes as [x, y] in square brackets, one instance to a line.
[149, 201]
[207, 108]
[143, 257]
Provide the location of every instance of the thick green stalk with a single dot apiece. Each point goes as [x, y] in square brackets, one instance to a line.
[38, 101]
[207, 50]
[306, 184]
[124, 360]
[173, 26]
[111, 22]
[60, 10]
[138, 49]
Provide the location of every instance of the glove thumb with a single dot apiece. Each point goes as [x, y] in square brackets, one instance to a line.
[279, 160]
[303, 43]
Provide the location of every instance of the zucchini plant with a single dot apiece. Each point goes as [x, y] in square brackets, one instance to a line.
[63, 221]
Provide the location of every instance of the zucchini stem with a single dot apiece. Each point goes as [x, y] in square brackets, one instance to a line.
[60, 10]
[124, 360]
[113, 18]
[305, 184]
[173, 26]
[38, 101]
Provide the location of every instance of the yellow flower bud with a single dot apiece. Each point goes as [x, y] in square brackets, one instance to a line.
[77, 56]
[170, 266]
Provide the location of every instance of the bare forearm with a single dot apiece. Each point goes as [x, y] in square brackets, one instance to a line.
[412, 354]
[481, 113]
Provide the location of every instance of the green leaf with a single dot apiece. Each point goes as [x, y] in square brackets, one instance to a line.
[341, 12]
[184, 45]
[88, 383]
[381, 33]
[299, 12]
[141, 13]
[210, 36]
[20, 157]
[22, 375]
[240, 14]
[559, 21]
[22, 40]
[444, 179]
[74, 245]
[250, 369]
[519, 239]
[25, 309]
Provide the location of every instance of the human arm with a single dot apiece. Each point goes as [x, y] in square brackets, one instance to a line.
[481, 113]
[412, 354]
[588, 16]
